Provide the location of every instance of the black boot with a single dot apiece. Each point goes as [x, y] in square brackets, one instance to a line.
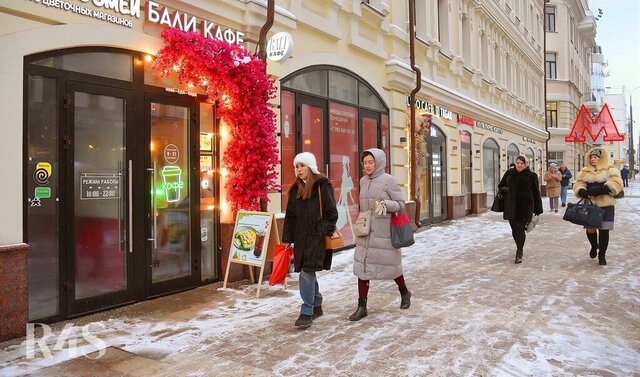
[593, 240]
[303, 321]
[317, 312]
[604, 243]
[405, 299]
[519, 253]
[361, 311]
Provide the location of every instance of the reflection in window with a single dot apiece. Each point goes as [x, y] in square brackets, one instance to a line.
[114, 65]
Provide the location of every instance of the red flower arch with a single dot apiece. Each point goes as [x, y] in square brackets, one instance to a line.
[236, 79]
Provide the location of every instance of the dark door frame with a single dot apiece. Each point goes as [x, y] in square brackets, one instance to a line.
[157, 95]
[83, 306]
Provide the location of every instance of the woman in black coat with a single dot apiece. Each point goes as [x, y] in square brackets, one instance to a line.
[304, 228]
[520, 189]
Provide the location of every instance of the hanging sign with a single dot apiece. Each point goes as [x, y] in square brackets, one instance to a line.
[280, 47]
[585, 123]
[255, 236]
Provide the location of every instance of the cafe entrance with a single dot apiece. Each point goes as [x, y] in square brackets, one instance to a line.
[112, 184]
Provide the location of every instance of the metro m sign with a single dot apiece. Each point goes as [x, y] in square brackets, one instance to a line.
[584, 123]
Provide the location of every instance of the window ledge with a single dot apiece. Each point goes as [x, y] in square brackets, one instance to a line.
[379, 8]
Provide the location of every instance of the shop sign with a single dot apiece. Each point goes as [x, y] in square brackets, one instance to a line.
[432, 109]
[280, 47]
[162, 15]
[488, 127]
[466, 120]
[122, 7]
[99, 186]
[528, 140]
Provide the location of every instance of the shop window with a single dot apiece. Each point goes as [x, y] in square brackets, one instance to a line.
[107, 64]
[43, 228]
[314, 82]
[531, 158]
[344, 163]
[343, 87]
[367, 98]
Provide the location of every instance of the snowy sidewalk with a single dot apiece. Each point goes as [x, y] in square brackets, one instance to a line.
[474, 312]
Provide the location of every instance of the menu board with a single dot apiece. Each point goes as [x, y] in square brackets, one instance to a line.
[255, 236]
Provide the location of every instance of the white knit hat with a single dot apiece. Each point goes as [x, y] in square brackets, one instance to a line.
[553, 165]
[307, 159]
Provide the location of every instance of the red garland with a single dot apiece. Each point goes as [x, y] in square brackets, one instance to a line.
[236, 79]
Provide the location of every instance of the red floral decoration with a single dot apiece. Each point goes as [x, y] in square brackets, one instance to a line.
[236, 80]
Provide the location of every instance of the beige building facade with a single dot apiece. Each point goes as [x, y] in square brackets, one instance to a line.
[571, 31]
[88, 107]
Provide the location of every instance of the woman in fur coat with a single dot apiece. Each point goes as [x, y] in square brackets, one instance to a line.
[599, 181]
[553, 178]
[522, 200]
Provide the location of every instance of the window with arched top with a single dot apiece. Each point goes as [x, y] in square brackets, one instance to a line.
[336, 115]
[512, 153]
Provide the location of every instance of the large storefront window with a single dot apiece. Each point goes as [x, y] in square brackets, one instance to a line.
[333, 114]
[431, 187]
[490, 168]
[531, 159]
[465, 168]
[115, 201]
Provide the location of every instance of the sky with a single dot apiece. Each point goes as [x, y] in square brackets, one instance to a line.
[618, 33]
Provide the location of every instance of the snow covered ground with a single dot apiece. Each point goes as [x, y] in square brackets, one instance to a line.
[474, 313]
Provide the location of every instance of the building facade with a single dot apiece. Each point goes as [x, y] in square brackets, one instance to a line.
[570, 38]
[115, 174]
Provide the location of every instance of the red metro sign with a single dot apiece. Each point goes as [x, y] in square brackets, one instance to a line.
[585, 123]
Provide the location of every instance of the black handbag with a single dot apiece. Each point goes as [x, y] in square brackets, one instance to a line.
[584, 213]
[498, 203]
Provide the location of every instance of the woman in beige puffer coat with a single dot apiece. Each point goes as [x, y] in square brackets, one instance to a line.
[553, 178]
[375, 258]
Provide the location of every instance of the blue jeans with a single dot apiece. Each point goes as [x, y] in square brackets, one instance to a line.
[563, 194]
[309, 292]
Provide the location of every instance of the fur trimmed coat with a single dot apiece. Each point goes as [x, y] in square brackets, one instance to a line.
[521, 192]
[553, 178]
[375, 258]
[603, 173]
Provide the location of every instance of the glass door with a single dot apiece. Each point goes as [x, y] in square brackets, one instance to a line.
[312, 119]
[437, 161]
[100, 271]
[170, 242]
[465, 168]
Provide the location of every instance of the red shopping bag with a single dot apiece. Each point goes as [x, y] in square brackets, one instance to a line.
[281, 260]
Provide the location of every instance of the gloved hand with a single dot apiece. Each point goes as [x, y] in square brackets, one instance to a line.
[583, 193]
[598, 189]
[380, 209]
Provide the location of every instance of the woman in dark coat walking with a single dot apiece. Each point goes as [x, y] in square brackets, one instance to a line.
[522, 200]
[304, 227]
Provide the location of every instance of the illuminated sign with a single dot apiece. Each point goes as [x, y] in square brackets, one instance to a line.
[432, 109]
[528, 140]
[466, 120]
[121, 7]
[280, 47]
[172, 182]
[156, 13]
[488, 127]
[585, 123]
[42, 173]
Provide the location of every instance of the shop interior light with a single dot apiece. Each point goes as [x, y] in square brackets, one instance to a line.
[224, 172]
[91, 146]
[307, 142]
[152, 146]
[224, 132]
[148, 58]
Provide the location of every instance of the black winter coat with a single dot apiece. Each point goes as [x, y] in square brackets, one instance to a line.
[303, 227]
[521, 192]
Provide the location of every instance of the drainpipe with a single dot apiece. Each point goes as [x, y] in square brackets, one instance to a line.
[412, 103]
[262, 55]
[544, 59]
